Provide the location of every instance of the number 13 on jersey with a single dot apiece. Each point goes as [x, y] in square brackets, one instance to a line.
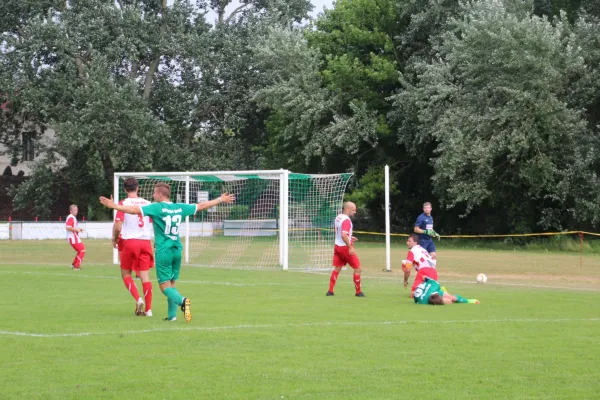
[172, 224]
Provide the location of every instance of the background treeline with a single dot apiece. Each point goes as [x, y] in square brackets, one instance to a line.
[488, 108]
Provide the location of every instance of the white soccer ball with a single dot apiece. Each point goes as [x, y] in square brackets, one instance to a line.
[481, 278]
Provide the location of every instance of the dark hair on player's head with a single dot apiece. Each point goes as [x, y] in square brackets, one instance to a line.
[130, 185]
[436, 300]
[415, 238]
[164, 189]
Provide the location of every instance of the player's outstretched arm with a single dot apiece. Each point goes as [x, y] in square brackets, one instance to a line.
[135, 210]
[224, 198]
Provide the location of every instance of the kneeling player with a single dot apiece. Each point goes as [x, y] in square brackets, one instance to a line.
[419, 259]
[430, 292]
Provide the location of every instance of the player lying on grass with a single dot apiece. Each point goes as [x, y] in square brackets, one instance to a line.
[419, 259]
[430, 292]
[166, 218]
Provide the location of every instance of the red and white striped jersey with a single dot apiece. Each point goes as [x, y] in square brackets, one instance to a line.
[420, 258]
[342, 224]
[72, 237]
[134, 226]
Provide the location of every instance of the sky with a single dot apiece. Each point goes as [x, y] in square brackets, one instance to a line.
[319, 4]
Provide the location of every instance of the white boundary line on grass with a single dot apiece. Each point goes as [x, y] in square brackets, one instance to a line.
[312, 324]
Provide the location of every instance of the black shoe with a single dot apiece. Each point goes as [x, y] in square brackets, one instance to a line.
[361, 294]
[329, 294]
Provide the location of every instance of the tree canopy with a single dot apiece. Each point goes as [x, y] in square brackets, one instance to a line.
[488, 108]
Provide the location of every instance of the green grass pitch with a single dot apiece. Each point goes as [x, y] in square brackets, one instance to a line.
[269, 334]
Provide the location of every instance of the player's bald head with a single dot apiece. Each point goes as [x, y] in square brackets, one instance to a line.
[349, 208]
[348, 204]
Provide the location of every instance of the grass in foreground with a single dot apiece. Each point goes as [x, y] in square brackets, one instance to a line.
[271, 335]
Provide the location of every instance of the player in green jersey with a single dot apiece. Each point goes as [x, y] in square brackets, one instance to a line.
[430, 292]
[166, 218]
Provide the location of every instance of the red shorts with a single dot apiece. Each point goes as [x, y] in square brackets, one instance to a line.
[120, 244]
[136, 255]
[423, 272]
[341, 257]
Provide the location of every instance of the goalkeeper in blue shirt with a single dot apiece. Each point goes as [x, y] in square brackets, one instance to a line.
[424, 228]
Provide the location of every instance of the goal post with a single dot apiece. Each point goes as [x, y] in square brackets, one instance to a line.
[280, 218]
[388, 263]
[116, 188]
[284, 236]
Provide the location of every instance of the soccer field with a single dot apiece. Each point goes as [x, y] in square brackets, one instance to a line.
[269, 334]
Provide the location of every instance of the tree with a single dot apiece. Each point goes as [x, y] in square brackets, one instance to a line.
[87, 69]
[212, 114]
[136, 85]
[328, 101]
[497, 106]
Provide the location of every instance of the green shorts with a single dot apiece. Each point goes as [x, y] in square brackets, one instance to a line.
[168, 264]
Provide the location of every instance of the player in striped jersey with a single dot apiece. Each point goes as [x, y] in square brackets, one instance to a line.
[419, 259]
[73, 231]
[166, 219]
[132, 235]
[343, 250]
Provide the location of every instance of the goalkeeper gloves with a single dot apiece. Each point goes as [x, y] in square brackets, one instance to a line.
[432, 233]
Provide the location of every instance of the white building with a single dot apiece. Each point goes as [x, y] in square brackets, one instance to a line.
[29, 153]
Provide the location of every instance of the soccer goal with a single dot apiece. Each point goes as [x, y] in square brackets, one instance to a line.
[279, 218]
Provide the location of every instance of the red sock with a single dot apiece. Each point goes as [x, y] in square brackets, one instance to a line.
[81, 255]
[357, 282]
[78, 259]
[80, 249]
[333, 280]
[130, 285]
[147, 287]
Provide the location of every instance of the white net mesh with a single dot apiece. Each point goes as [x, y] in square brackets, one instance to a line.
[314, 202]
[247, 233]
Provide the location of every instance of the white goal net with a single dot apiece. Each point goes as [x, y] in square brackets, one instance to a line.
[279, 218]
